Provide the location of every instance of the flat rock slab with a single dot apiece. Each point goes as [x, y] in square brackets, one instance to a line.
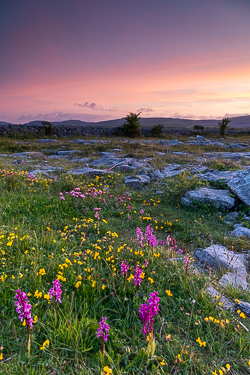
[240, 186]
[67, 152]
[47, 141]
[89, 142]
[218, 198]
[88, 171]
[227, 155]
[244, 307]
[27, 154]
[218, 175]
[138, 181]
[219, 257]
[235, 279]
[241, 231]
[227, 304]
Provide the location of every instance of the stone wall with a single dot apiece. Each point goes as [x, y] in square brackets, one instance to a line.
[95, 131]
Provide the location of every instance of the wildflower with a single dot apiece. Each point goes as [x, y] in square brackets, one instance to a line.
[23, 307]
[187, 262]
[103, 287]
[145, 263]
[140, 237]
[169, 293]
[107, 371]
[42, 271]
[163, 363]
[124, 268]
[168, 337]
[78, 284]
[56, 291]
[46, 343]
[147, 312]
[151, 280]
[228, 367]
[103, 331]
[201, 343]
[150, 237]
[137, 277]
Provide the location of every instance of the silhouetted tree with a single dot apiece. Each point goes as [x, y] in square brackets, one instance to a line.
[223, 126]
[132, 126]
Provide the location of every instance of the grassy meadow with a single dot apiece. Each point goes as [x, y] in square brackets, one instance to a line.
[50, 229]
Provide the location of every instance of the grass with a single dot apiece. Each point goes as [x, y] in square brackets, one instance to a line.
[43, 238]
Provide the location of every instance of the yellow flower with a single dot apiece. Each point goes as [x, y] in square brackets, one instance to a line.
[107, 370]
[13, 277]
[24, 323]
[78, 284]
[162, 363]
[228, 367]
[35, 319]
[103, 286]
[37, 294]
[1, 356]
[151, 280]
[215, 372]
[169, 293]
[220, 372]
[42, 271]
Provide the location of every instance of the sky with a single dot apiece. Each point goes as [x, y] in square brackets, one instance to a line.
[96, 60]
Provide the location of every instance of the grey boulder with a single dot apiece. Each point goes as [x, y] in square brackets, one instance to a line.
[241, 231]
[218, 198]
[240, 186]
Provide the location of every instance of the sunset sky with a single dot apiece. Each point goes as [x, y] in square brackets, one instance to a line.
[96, 60]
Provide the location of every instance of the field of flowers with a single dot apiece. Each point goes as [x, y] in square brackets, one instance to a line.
[96, 278]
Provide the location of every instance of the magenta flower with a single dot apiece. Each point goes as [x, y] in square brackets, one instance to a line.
[147, 312]
[150, 237]
[141, 211]
[146, 263]
[137, 277]
[168, 240]
[103, 330]
[23, 307]
[124, 268]
[56, 291]
[140, 237]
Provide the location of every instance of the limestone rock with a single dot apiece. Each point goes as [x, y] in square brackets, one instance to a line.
[219, 257]
[218, 198]
[88, 171]
[240, 186]
[241, 231]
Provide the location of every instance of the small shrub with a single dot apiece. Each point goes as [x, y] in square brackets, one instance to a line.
[132, 126]
[181, 184]
[48, 127]
[156, 130]
[223, 126]
[198, 127]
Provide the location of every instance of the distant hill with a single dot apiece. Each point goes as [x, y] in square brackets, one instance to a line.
[236, 122]
[4, 123]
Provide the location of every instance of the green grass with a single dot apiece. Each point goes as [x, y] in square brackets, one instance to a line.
[40, 231]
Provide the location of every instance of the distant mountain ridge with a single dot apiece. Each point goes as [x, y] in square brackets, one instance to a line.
[236, 122]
